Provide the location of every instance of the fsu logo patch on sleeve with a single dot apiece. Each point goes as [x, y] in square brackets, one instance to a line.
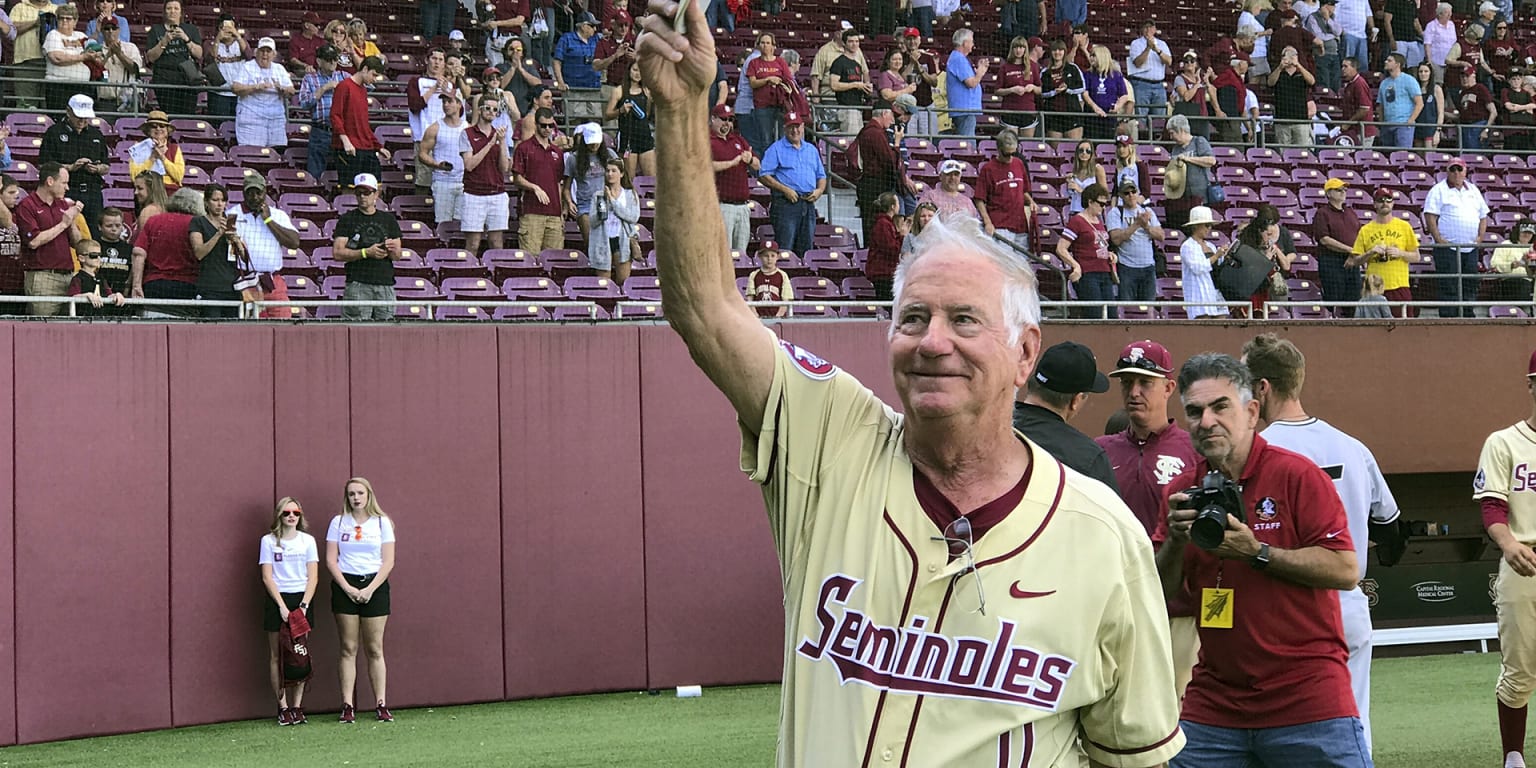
[1479, 481]
[808, 363]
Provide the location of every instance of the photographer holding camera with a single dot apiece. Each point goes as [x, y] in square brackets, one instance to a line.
[1273, 548]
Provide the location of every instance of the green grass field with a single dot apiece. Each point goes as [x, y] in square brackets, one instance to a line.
[1430, 712]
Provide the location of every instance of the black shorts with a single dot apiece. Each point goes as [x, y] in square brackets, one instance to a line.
[272, 620]
[1063, 123]
[378, 605]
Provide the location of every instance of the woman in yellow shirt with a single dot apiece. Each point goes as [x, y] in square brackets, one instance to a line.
[1517, 258]
[165, 156]
[362, 47]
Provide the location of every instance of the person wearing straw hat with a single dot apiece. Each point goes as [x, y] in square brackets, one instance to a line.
[263, 87]
[1201, 298]
[159, 154]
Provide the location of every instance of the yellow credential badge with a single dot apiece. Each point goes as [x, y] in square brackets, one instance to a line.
[1216, 608]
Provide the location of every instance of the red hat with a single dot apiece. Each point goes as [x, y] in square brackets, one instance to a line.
[1289, 14]
[1124, 140]
[1144, 358]
[622, 17]
[1456, 161]
[310, 17]
[1532, 367]
[912, 32]
[1035, 42]
[1238, 56]
[722, 111]
[793, 118]
[490, 72]
[1382, 193]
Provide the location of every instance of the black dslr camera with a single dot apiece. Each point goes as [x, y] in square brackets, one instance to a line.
[1216, 497]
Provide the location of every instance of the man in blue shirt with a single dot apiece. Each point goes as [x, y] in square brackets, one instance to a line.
[792, 168]
[573, 69]
[963, 84]
[1401, 100]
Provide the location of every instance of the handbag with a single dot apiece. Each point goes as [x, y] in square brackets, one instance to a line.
[250, 284]
[190, 74]
[1215, 194]
[1240, 274]
[213, 74]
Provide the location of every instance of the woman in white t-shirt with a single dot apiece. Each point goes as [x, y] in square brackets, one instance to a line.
[360, 553]
[68, 65]
[290, 571]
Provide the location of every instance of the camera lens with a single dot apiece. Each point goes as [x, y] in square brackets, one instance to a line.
[1209, 528]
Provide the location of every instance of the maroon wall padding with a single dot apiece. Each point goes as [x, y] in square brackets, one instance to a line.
[572, 539]
[221, 503]
[7, 550]
[92, 565]
[425, 433]
[313, 458]
[714, 607]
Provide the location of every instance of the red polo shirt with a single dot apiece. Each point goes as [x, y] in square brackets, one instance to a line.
[303, 48]
[1284, 662]
[1342, 225]
[731, 183]
[543, 166]
[33, 217]
[1143, 470]
[1001, 187]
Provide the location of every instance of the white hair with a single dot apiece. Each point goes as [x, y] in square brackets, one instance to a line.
[960, 36]
[1020, 291]
[1444, 9]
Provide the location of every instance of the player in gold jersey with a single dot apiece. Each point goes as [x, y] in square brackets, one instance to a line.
[1505, 487]
[953, 595]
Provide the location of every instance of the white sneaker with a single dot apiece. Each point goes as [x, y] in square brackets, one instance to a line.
[1514, 760]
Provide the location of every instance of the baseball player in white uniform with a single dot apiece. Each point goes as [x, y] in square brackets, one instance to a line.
[1505, 487]
[1279, 370]
[953, 595]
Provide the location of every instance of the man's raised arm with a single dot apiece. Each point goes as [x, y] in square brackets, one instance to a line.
[698, 281]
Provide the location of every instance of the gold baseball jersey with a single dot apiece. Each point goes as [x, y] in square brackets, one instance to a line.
[889, 658]
[1507, 471]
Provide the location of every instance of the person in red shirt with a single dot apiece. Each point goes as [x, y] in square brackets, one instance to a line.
[1272, 686]
[1147, 455]
[615, 52]
[879, 164]
[537, 165]
[1018, 82]
[45, 219]
[164, 266]
[1477, 111]
[483, 147]
[732, 157]
[301, 49]
[357, 149]
[1084, 246]
[1002, 193]
[1358, 105]
[884, 246]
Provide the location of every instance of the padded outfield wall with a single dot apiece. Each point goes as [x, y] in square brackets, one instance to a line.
[570, 514]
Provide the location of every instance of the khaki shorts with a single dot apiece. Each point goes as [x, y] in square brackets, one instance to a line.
[537, 232]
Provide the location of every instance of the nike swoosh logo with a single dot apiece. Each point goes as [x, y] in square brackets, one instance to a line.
[1024, 594]
[1333, 535]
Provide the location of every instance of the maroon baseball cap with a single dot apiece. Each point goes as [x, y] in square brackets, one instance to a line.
[1144, 358]
[793, 118]
[1035, 42]
[1382, 193]
[723, 111]
[912, 32]
[310, 17]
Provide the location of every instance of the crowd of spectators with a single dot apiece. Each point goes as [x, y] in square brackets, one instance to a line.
[1326, 71]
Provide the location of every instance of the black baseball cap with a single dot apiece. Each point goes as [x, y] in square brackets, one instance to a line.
[1070, 368]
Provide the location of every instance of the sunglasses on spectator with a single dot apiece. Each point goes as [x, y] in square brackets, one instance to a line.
[1084, 150]
[957, 536]
[364, 191]
[293, 513]
[89, 254]
[546, 125]
[1102, 201]
[1455, 168]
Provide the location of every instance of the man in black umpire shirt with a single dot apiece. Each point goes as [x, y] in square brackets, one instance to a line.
[1067, 372]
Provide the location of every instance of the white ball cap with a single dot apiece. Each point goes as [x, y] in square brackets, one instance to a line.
[365, 180]
[266, 42]
[81, 106]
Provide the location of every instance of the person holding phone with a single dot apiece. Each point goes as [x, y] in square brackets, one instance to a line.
[290, 572]
[360, 554]
[171, 43]
[439, 151]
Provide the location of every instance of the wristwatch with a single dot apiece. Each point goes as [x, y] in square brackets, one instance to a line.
[1261, 560]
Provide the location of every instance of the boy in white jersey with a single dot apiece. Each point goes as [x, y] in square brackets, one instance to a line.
[1279, 370]
[438, 150]
[953, 595]
[1505, 487]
